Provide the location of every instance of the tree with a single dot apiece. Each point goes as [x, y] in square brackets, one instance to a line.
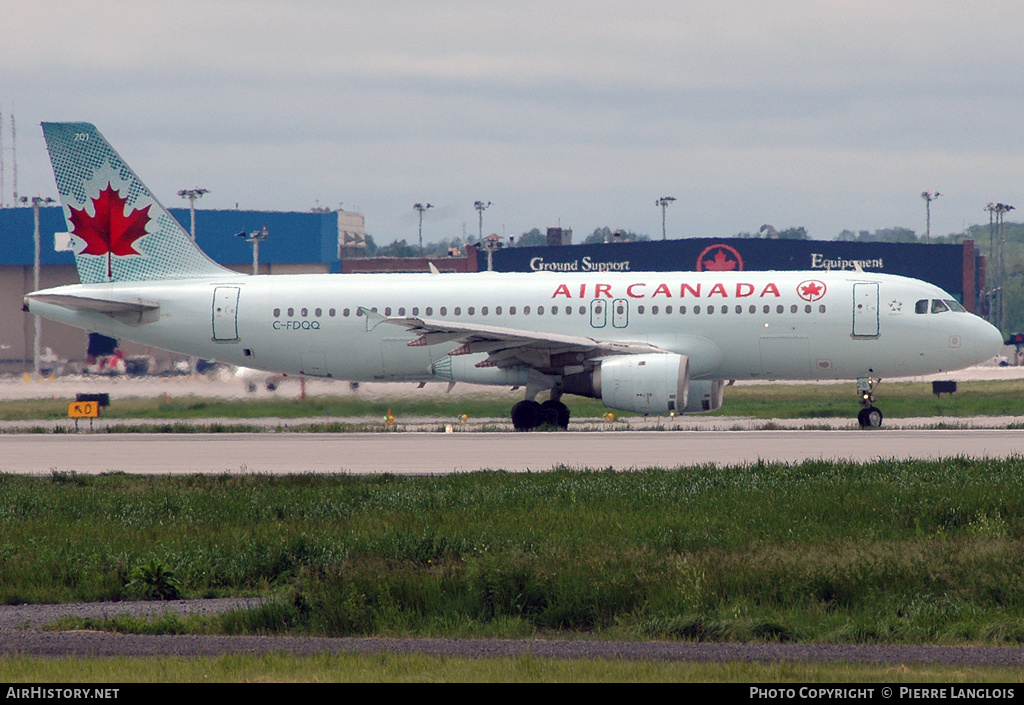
[534, 238]
[398, 248]
[794, 234]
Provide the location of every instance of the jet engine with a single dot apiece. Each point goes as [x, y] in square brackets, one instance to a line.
[643, 384]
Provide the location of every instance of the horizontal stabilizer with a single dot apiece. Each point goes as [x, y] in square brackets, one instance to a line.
[135, 312]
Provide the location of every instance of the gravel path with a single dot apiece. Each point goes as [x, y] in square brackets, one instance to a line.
[19, 634]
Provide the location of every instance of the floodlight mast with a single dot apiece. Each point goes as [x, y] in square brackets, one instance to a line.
[254, 238]
[37, 202]
[928, 197]
[421, 207]
[481, 207]
[996, 214]
[193, 194]
[663, 202]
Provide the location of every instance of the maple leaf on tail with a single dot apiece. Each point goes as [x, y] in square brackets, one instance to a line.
[110, 231]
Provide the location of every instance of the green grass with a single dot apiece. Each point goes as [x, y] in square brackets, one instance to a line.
[391, 668]
[896, 399]
[778, 401]
[887, 552]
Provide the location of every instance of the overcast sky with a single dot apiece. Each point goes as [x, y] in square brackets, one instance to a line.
[823, 115]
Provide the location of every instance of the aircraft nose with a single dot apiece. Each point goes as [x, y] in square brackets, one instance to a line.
[986, 340]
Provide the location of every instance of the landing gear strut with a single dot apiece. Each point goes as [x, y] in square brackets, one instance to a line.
[870, 416]
[528, 414]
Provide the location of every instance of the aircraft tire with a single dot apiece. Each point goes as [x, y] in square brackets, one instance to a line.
[871, 417]
[555, 413]
[526, 415]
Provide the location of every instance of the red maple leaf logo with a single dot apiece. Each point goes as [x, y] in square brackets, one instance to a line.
[721, 263]
[811, 290]
[726, 258]
[110, 231]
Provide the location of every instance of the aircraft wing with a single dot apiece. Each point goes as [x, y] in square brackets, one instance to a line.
[508, 347]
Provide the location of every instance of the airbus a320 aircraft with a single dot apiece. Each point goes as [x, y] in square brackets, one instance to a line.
[646, 342]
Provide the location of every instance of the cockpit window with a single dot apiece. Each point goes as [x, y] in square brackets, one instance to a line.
[938, 306]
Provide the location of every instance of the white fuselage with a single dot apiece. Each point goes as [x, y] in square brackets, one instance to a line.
[744, 325]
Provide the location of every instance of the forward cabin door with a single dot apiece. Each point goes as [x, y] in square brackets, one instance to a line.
[865, 310]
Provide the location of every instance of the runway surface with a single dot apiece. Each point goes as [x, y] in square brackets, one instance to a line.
[438, 453]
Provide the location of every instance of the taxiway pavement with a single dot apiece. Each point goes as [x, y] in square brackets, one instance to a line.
[437, 453]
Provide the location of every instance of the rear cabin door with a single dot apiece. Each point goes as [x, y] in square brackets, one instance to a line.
[225, 313]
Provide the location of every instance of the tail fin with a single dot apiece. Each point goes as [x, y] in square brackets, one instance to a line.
[122, 233]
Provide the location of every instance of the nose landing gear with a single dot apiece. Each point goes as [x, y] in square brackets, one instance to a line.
[870, 416]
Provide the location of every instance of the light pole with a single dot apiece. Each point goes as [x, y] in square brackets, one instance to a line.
[193, 194]
[37, 201]
[480, 208]
[999, 210]
[254, 237]
[421, 207]
[663, 202]
[928, 197]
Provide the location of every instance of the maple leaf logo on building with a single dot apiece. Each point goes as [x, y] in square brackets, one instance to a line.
[110, 232]
[725, 259]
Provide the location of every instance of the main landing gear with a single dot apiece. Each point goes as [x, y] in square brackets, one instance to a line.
[870, 416]
[528, 414]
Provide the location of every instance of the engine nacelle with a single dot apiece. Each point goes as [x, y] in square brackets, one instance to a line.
[644, 384]
[462, 368]
[705, 395]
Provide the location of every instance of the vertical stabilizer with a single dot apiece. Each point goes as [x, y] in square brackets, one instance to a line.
[121, 232]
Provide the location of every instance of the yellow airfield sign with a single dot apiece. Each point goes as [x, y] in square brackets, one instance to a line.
[83, 410]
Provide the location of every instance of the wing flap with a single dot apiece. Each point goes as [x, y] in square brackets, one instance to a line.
[507, 347]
